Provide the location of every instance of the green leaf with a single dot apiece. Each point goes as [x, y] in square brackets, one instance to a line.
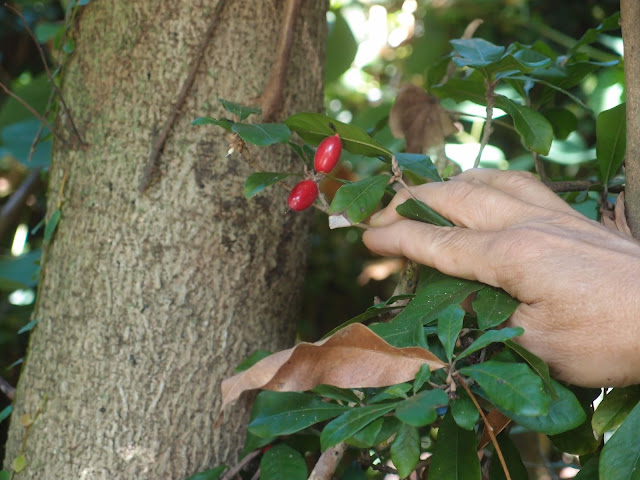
[352, 422]
[565, 413]
[391, 393]
[405, 332]
[240, 110]
[260, 180]
[471, 88]
[314, 127]
[476, 52]
[357, 200]
[251, 360]
[589, 470]
[51, 226]
[5, 413]
[611, 140]
[464, 411]
[212, 474]
[341, 48]
[578, 441]
[535, 130]
[5, 475]
[421, 377]
[614, 408]
[590, 36]
[493, 306]
[420, 409]
[419, 164]
[449, 326]
[368, 314]
[282, 461]
[262, 134]
[562, 121]
[390, 427]
[512, 386]
[405, 450]
[17, 139]
[335, 393]
[620, 457]
[223, 122]
[416, 210]
[511, 454]
[432, 298]
[284, 413]
[19, 463]
[20, 272]
[28, 327]
[455, 456]
[366, 437]
[489, 337]
[535, 362]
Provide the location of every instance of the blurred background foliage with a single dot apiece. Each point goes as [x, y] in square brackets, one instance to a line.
[374, 47]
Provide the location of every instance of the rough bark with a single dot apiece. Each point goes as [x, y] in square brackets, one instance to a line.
[147, 301]
[630, 19]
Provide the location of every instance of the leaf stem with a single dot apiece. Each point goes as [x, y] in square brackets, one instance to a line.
[488, 126]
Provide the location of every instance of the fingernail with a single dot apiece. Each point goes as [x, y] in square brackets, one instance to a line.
[376, 219]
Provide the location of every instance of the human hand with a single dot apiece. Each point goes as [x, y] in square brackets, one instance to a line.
[577, 281]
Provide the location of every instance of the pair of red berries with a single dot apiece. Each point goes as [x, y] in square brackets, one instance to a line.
[327, 155]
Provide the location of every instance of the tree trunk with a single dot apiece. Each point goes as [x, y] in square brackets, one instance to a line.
[147, 301]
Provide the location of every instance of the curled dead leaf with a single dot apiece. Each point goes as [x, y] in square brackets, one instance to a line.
[354, 357]
[614, 218]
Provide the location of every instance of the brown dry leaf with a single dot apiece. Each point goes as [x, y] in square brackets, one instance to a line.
[498, 421]
[614, 217]
[353, 357]
[418, 117]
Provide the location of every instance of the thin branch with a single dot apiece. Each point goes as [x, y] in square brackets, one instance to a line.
[328, 462]
[539, 164]
[488, 426]
[235, 470]
[488, 126]
[581, 185]
[35, 114]
[151, 169]
[46, 67]
[8, 389]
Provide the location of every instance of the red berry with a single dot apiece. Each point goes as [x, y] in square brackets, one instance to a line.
[328, 154]
[303, 195]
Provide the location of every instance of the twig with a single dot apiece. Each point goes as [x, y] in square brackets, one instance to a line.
[46, 67]
[11, 208]
[581, 185]
[328, 462]
[488, 126]
[271, 98]
[34, 113]
[235, 470]
[8, 389]
[151, 169]
[488, 426]
[539, 164]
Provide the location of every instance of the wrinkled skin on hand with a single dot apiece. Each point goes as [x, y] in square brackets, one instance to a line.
[578, 281]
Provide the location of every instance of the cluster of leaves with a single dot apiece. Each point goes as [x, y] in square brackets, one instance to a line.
[437, 409]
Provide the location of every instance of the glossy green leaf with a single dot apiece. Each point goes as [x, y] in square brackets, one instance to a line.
[402, 332]
[420, 409]
[419, 164]
[251, 360]
[610, 23]
[517, 59]
[212, 474]
[620, 457]
[284, 413]
[405, 450]
[614, 408]
[358, 200]
[449, 326]
[433, 298]
[489, 337]
[535, 362]
[417, 210]
[351, 422]
[476, 52]
[341, 48]
[222, 122]
[565, 413]
[512, 386]
[589, 470]
[335, 393]
[366, 437]
[455, 456]
[390, 427]
[562, 121]
[421, 377]
[256, 182]
[262, 134]
[535, 130]
[314, 127]
[5, 413]
[392, 392]
[493, 306]
[20, 272]
[282, 461]
[611, 140]
[464, 411]
[52, 224]
[240, 110]
[511, 454]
